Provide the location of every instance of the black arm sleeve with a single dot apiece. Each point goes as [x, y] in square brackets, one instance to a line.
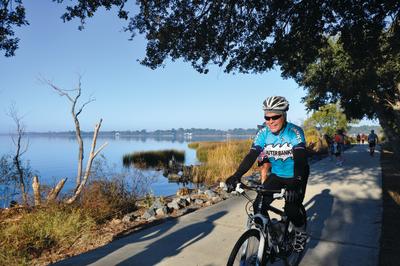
[247, 162]
[301, 168]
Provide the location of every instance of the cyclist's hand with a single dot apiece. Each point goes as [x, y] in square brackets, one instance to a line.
[231, 183]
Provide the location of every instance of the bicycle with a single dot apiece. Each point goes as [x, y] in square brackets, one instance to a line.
[265, 240]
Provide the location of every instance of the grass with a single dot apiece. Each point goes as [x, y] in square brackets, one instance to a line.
[390, 234]
[220, 159]
[147, 159]
[41, 230]
[28, 236]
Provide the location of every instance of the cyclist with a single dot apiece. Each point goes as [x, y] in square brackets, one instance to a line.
[372, 140]
[284, 145]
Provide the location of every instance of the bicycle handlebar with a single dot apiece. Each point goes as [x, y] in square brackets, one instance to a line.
[276, 194]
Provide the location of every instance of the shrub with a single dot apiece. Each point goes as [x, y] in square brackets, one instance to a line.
[105, 199]
[146, 159]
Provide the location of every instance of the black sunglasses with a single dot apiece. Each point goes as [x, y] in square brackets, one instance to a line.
[275, 117]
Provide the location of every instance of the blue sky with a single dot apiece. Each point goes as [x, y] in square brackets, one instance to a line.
[128, 96]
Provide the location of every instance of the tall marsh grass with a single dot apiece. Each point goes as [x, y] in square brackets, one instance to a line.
[220, 159]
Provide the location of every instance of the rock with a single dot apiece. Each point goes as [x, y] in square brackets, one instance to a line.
[210, 194]
[198, 201]
[208, 203]
[216, 199]
[200, 191]
[128, 217]
[188, 199]
[173, 205]
[148, 214]
[162, 211]
[182, 191]
[182, 202]
[157, 204]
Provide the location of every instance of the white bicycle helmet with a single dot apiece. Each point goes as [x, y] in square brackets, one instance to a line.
[277, 104]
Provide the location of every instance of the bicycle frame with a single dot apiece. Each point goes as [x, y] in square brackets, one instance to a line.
[264, 227]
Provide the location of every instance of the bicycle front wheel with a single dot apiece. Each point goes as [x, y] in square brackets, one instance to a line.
[245, 251]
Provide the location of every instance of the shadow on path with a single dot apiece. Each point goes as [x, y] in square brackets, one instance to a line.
[319, 209]
[173, 243]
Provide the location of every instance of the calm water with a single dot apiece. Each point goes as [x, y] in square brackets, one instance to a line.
[56, 157]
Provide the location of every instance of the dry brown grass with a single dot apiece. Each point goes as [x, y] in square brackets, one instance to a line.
[223, 158]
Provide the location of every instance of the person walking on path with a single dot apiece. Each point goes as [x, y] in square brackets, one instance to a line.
[338, 146]
[284, 145]
[329, 142]
[372, 141]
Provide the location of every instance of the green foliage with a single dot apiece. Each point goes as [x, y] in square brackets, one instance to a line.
[328, 119]
[12, 13]
[41, 230]
[9, 180]
[152, 158]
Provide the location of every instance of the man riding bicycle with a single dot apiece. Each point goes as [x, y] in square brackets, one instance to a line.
[284, 145]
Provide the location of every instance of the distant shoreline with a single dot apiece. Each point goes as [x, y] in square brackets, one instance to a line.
[175, 133]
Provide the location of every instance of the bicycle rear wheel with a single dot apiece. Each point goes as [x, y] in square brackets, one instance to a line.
[246, 248]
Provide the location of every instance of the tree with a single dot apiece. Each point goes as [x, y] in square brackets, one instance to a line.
[82, 177]
[12, 13]
[347, 50]
[328, 119]
[22, 174]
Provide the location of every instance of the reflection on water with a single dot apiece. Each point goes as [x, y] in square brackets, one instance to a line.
[55, 157]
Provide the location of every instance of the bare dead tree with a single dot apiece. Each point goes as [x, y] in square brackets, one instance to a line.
[93, 153]
[81, 179]
[20, 148]
[75, 112]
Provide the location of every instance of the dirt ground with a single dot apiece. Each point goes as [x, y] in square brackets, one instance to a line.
[390, 237]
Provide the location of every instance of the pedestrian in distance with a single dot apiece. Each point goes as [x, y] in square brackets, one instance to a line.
[358, 138]
[338, 146]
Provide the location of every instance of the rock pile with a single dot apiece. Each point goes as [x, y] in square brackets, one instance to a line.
[186, 200]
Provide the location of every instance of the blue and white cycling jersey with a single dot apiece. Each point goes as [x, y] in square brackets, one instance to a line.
[279, 147]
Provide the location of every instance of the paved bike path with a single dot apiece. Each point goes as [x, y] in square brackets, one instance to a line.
[344, 214]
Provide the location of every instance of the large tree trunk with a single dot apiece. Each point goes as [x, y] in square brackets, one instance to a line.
[389, 119]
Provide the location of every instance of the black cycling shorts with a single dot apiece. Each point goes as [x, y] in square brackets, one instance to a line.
[372, 144]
